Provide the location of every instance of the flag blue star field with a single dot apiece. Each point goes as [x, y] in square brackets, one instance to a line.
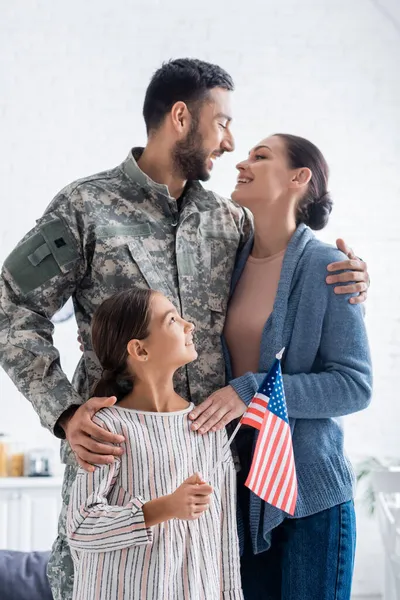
[273, 473]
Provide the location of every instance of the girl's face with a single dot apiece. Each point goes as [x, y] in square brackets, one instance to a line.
[170, 341]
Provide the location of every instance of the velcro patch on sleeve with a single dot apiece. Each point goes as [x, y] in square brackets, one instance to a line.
[50, 250]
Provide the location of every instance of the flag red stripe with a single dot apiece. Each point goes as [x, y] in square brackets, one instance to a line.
[277, 485]
[252, 422]
[257, 407]
[259, 402]
[284, 479]
[294, 499]
[284, 501]
[286, 484]
[255, 411]
[277, 464]
[288, 501]
[271, 457]
[269, 434]
[292, 492]
[254, 463]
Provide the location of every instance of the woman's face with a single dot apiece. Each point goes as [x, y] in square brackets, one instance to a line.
[170, 341]
[265, 177]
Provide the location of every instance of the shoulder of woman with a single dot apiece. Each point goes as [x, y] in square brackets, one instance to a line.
[321, 255]
[315, 284]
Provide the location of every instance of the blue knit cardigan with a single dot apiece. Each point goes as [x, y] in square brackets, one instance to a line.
[327, 374]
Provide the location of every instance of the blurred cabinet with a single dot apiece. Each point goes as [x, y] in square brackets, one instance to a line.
[387, 487]
[29, 510]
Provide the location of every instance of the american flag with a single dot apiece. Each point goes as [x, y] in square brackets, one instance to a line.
[256, 410]
[273, 473]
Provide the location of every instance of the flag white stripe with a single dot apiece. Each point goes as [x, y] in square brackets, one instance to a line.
[273, 433]
[291, 495]
[280, 473]
[255, 406]
[252, 417]
[261, 397]
[288, 476]
[258, 456]
[260, 453]
[274, 461]
[263, 466]
[272, 458]
[287, 507]
[283, 485]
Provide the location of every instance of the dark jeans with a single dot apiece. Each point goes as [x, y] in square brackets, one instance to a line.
[310, 558]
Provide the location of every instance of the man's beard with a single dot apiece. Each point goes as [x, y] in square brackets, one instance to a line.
[189, 156]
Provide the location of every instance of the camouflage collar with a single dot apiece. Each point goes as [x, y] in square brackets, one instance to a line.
[133, 170]
[203, 199]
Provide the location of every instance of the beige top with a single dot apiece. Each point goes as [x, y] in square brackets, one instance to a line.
[248, 310]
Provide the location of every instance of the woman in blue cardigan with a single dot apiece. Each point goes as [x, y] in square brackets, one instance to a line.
[280, 299]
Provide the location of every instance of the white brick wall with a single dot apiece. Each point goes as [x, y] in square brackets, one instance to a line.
[73, 78]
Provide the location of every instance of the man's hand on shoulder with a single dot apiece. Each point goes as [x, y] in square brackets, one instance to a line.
[91, 444]
[355, 275]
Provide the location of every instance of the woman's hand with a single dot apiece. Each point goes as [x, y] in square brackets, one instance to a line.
[217, 411]
[356, 275]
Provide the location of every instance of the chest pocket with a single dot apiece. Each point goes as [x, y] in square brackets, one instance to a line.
[220, 253]
[149, 267]
[136, 243]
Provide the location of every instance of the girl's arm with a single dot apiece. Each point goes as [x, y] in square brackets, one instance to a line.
[230, 560]
[96, 526]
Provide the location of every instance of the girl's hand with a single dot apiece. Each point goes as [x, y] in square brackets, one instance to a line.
[191, 499]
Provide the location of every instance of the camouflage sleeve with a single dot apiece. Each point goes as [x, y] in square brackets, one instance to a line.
[37, 278]
[245, 226]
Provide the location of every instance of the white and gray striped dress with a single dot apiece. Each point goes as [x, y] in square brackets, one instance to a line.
[115, 556]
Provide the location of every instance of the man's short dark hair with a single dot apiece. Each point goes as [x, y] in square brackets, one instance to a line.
[182, 80]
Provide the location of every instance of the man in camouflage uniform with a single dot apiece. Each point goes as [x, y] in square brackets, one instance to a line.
[147, 222]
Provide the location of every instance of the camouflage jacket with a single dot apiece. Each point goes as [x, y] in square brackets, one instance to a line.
[102, 234]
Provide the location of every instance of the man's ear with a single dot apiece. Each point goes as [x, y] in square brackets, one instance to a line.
[180, 118]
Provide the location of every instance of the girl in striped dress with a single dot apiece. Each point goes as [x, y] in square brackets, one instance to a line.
[148, 526]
